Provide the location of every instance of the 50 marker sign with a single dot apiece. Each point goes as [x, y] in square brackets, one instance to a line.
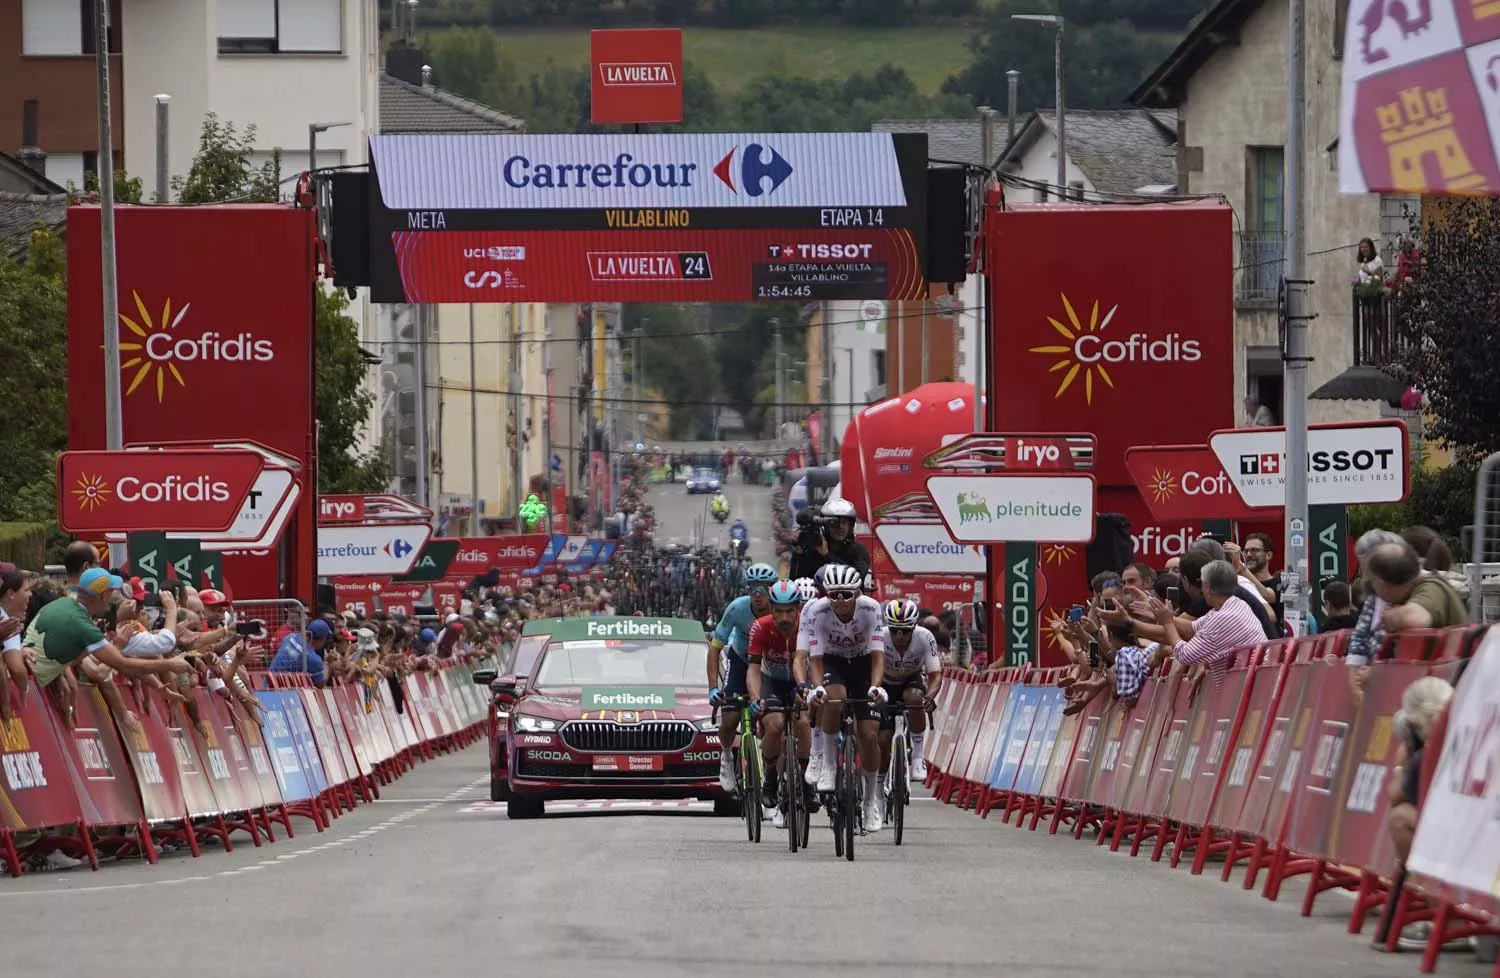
[190, 491]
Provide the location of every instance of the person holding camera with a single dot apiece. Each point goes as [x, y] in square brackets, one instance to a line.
[828, 539]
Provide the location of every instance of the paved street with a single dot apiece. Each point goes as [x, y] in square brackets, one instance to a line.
[682, 518]
[433, 880]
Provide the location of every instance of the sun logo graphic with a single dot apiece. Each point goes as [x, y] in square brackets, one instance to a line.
[1163, 484]
[91, 491]
[1090, 353]
[156, 349]
[1057, 553]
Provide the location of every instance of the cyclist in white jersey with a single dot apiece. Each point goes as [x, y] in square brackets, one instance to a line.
[841, 637]
[913, 673]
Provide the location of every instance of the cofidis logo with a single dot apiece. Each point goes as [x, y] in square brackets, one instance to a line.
[1089, 351]
[159, 352]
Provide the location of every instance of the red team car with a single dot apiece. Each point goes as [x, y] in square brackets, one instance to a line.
[603, 708]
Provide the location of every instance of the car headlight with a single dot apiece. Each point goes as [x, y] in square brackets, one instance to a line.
[530, 724]
[708, 723]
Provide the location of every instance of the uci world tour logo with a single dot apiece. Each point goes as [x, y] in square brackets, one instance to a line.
[973, 508]
[91, 491]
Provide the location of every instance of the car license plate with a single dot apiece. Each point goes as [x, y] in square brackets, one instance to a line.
[628, 762]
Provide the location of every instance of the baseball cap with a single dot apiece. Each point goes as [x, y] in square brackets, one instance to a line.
[450, 619]
[367, 640]
[99, 582]
[211, 597]
[427, 635]
[319, 629]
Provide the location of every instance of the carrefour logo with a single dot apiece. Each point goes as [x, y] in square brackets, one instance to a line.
[1089, 352]
[757, 164]
[398, 548]
[154, 350]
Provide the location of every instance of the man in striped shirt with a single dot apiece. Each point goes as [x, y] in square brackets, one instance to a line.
[1230, 624]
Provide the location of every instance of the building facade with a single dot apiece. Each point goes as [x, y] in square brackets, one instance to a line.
[1227, 82]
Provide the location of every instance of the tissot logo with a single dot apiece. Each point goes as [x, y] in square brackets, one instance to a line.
[155, 349]
[1088, 351]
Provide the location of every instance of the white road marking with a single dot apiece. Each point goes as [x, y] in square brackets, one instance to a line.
[604, 804]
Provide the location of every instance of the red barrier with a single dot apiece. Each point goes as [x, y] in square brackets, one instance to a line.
[1282, 766]
[168, 776]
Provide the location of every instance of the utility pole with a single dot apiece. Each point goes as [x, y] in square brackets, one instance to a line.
[776, 365]
[420, 366]
[163, 166]
[826, 451]
[114, 417]
[518, 467]
[1296, 580]
[474, 521]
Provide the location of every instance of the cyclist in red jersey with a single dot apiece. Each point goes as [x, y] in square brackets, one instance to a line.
[775, 674]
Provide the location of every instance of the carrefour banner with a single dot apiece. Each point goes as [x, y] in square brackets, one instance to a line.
[676, 170]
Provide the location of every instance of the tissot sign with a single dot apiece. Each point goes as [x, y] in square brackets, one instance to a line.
[193, 491]
[1347, 464]
[637, 76]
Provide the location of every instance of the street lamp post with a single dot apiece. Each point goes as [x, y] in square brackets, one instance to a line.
[1056, 22]
[312, 139]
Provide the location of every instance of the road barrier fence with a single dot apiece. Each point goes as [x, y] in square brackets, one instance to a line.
[110, 785]
[1281, 769]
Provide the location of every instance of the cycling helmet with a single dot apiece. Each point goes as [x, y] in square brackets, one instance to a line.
[808, 588]
[869, 584]
[840, 577]
[785, 593]
[900, 613]
[839, 509]
[761, 574]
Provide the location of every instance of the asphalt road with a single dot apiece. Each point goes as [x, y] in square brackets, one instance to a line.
[684, 519]
[432, 880]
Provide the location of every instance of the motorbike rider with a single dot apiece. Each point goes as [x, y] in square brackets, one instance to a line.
[719, 507]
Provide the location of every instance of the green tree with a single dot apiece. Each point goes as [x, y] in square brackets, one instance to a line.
[222, 172]
[33, 332]
[678, 364]
[128, 189]
[1450, 315]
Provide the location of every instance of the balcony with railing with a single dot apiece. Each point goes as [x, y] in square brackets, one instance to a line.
[1376, 327]
[1261, 265]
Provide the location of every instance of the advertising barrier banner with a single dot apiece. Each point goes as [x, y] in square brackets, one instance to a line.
[101, 776]
[291, 779]
[34, 788]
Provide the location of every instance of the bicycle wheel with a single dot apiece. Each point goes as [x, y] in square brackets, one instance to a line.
[837, 815]
[896, 810]
[849, 801]
[791, 786]
[750, 789]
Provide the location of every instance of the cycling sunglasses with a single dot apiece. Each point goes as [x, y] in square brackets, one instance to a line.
[760, 590]
[842, 595]
[901, 629]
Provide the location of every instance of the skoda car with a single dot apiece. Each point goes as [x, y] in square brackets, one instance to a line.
[703, 480]
[606, 708]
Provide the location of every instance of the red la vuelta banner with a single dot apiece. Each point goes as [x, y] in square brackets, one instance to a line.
[637, 76]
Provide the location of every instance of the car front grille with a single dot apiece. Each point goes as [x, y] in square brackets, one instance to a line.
[583, 774]
[647, 737]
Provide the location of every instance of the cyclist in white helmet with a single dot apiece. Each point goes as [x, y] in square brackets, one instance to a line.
[838, 545]
[733, 632]
[912, 674]
[840, 636]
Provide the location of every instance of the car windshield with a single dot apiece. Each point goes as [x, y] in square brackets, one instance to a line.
[624, 663]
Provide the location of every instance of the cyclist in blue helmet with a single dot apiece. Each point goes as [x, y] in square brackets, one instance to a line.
[733, 631]
[776, 676]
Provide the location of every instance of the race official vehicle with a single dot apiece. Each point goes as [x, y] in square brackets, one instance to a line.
[607, 708]
[703, 480]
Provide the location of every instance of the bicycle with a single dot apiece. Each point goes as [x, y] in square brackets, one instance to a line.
[792, 800]
[843, 803]
[747, 769]
[898, 786]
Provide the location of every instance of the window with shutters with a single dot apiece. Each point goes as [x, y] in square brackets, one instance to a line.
[281, 26]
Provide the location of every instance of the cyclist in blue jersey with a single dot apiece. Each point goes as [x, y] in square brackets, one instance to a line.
[733, 632]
